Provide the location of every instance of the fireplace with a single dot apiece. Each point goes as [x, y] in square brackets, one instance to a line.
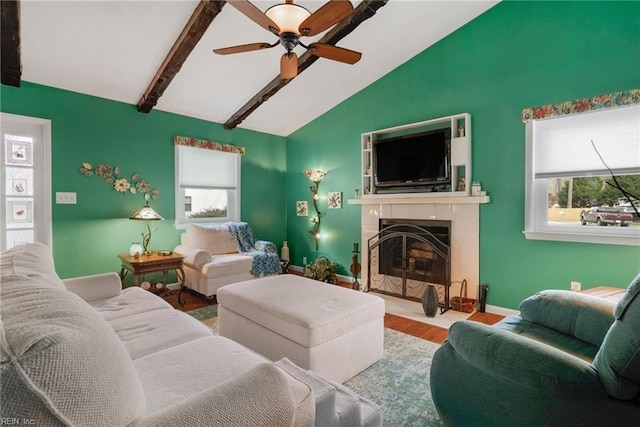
[407, 255]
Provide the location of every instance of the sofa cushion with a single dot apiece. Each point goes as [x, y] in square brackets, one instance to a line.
[239, 402]
[215, 239]
[155, 330]
[212, 361]
[618, 361]
[61, 362]
[131, 301]
[226, 265]
[32, 260]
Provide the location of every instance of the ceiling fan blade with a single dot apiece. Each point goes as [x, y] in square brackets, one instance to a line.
[256, 15]
[243, 48]
[328, 15]
[335, 53]
[288, 65]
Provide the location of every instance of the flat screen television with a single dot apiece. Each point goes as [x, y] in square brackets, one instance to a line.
[414, 160]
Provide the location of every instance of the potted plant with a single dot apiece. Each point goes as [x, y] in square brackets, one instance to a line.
[323, 270]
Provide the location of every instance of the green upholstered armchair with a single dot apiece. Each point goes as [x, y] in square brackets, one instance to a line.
[568, 359]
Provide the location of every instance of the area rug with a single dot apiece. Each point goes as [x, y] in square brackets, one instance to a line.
[399, 383]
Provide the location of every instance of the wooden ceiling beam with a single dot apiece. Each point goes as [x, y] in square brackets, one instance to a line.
[202, 17]
[365, 10]
[11, 67]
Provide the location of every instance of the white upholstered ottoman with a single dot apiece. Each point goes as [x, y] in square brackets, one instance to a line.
[333, 331]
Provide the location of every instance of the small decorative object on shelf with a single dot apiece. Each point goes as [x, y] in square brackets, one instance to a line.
[357, 193]
[475, 188]
[461, 131]
[355, 267]
[136, 250]
[462, 184]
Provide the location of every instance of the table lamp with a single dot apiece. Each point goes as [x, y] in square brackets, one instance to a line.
[148, 214]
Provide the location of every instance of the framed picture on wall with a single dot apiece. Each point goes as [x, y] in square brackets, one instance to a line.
[302, 208]
[19, 186]
[335, 200]
[18, 152]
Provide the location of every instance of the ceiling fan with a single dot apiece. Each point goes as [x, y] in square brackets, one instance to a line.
[289, 22]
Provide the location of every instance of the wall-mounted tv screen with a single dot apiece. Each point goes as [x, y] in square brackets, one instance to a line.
[414, 160]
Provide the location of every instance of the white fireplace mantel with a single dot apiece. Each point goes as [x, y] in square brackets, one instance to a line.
[463, 212]
[416, 198]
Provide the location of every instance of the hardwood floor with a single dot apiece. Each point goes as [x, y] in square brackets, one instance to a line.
[435, 334]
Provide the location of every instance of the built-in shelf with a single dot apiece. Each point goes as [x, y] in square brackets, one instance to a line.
[460, 156]
[417, 198]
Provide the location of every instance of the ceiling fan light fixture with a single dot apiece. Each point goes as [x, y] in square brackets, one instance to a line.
[288, 16]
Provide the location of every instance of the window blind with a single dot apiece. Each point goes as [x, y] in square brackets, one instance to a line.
[563, 144]
[201, 168]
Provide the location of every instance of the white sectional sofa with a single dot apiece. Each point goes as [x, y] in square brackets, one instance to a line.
[212, 259]
[84, 352]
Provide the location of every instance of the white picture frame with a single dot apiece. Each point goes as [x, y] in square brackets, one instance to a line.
[334, 199]
[302, 208]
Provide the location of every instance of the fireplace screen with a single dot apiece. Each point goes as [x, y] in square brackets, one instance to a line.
[407, 256]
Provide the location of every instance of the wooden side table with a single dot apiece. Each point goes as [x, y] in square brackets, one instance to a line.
[153, 262]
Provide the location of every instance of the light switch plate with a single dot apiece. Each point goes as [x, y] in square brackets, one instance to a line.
[63, 198]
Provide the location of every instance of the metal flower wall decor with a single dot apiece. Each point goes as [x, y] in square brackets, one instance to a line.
[111, 176]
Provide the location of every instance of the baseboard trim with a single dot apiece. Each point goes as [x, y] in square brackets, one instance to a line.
[502, 311]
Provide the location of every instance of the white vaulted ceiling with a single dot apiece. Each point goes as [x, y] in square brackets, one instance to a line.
[112, 49]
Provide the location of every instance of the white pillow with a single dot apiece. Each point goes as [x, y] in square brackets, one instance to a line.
[33, 260]
[215, 239]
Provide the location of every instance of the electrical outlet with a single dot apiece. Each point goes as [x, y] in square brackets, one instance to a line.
[576, 286]
[65, 198]
[304, 260]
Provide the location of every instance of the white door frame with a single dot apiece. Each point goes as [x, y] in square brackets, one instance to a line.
[42, 183]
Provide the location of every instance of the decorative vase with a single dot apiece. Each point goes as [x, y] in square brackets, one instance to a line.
[135, 250]
[284, 252]
[430, 301]
[355, 268]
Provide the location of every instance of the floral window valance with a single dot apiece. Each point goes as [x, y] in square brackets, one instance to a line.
[600, 102]
[209, 145]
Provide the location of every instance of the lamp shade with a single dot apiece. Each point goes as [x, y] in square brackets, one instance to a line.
[146, 212]
[315, 176]
[288, 16]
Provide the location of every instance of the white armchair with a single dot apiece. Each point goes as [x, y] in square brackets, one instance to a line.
[217, 255]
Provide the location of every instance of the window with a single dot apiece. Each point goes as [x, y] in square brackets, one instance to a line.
[25, 181]
[207, 185]
[571, 194]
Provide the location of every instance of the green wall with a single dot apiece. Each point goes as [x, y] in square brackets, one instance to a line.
[87, 236]
[516, 55]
